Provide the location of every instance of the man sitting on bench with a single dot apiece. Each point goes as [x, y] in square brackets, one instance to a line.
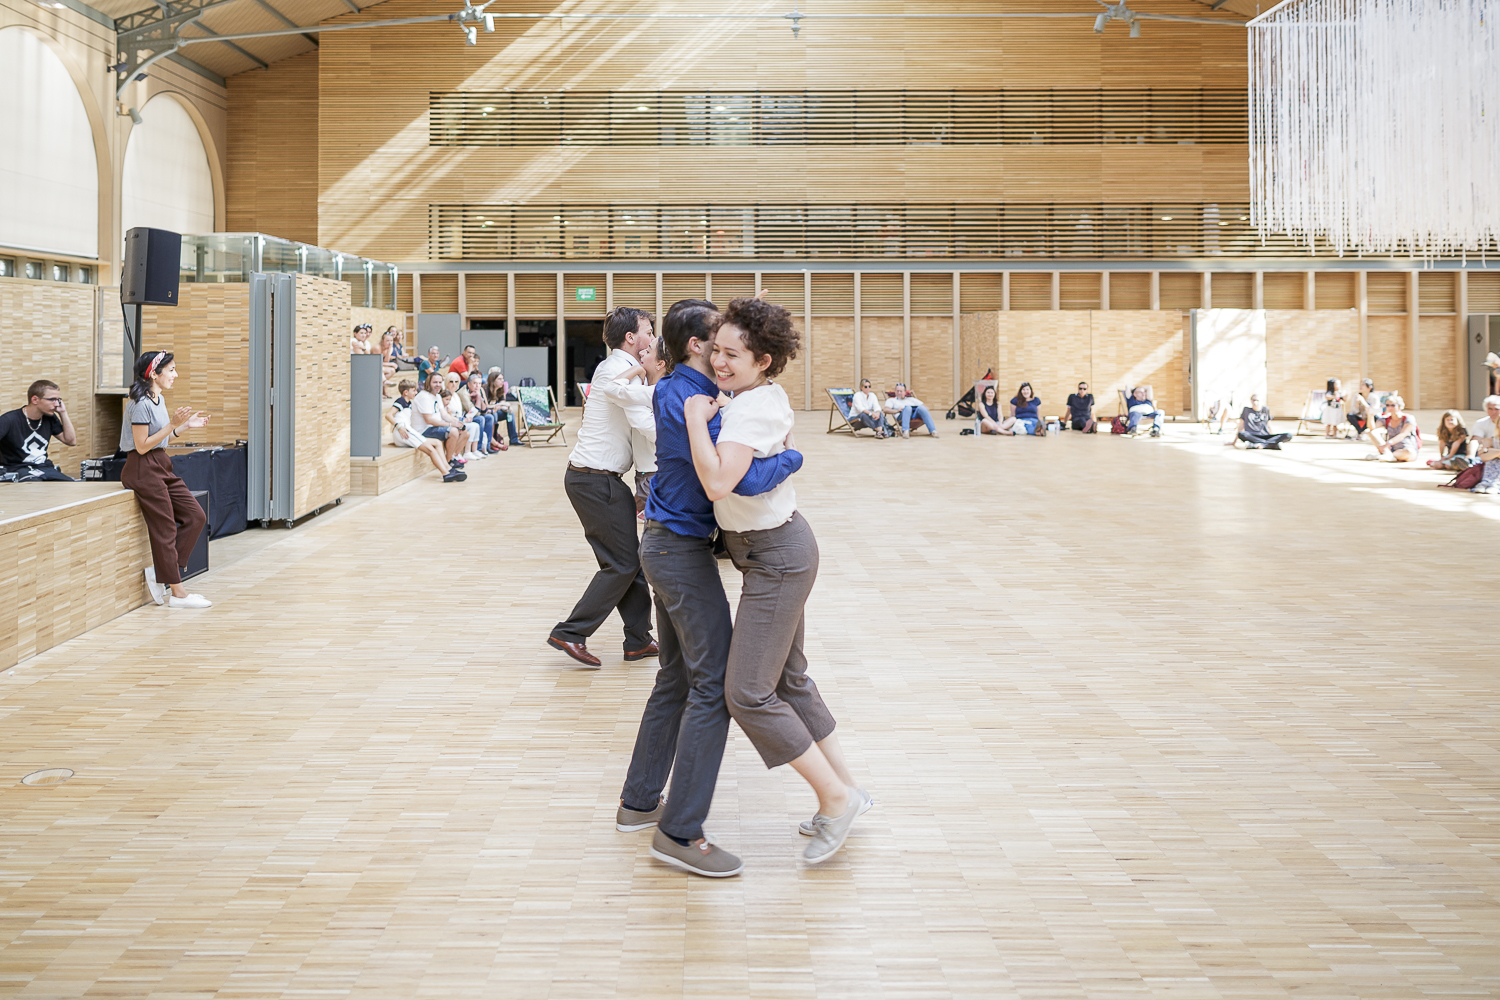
[26, 432]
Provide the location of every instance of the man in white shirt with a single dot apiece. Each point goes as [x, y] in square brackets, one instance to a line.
[429, 418]
[1485, 434]
[864, 408]
[605, 505]
[398, 415]
[904, 406]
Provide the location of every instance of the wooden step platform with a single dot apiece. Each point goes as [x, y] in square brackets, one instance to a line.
[396, 465]
[71, 556]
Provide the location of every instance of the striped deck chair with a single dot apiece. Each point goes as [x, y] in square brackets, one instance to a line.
[540, 420]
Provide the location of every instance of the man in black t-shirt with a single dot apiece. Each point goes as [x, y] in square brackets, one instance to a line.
[1081, 409]
[1255, 428]
[26, 432]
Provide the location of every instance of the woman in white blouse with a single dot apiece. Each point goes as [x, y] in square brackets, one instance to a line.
[766, 685]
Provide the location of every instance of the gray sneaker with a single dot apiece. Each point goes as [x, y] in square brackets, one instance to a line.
[708, 860]
[807, 829]
[629, 821]
[829, 832]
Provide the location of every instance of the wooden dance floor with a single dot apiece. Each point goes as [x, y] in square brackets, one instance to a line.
[1142, 718]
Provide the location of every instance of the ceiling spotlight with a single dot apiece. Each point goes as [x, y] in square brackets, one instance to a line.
[135, 116]
[471, 34]
[642, 107]
[1135, 29]
[489, 23]
[1099, 23]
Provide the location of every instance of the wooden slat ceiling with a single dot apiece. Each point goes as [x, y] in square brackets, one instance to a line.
[252, 16]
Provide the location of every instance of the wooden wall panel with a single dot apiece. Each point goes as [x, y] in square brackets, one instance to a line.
[1385, 291]
[832, 356]
[1283, 290]
[1031, 290]
[439, 293]
[1139, 348]
[675, 287]
[1335, 290]
[881, 345]
[65, 571]
[1484, 292]
[1304, 349]
[881, 295]
[1079, 291]
[1230, 290]
[979, 339]
[1053, 351]
[378, 319]
[637, 291]
[1129, 290]
[321, 455]
[1179, 290]
[1437, 365]
[733, 286]
[1437, 293]
[1386, 337]
[792, 377]
[833, 294]
[271, 184]
[536, 295]
[485, 295]
[208, 331]
[932, 295]
[932, 360]
[980, 292]
[47, 331]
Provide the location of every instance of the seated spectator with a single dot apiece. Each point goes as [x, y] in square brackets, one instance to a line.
[903, 405]
[466, 362]
[26, 432]
[1333, 408]
[1024, 406]
[359, 341]
[864, 408]
[404, 362]
[430, 365]
[1362, 413]
[1081, 410]
[504, 401]
[1486, 438]
[1453, 443]
[1142, 405]
[991, 421]
[471, 427]
[471, 395]
[387, 362]
[430, 418]
[398, 415]
[1255, 428]
[1397, 439]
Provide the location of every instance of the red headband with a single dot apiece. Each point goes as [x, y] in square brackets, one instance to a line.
[151, 368]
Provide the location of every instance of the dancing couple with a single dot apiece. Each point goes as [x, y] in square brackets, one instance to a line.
[723, 469]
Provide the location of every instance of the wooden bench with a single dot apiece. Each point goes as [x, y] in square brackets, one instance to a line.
[371, 477]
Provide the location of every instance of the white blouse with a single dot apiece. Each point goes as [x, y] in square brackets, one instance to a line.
[758, 418]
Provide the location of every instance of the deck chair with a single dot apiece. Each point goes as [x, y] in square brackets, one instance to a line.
[838, 413]
[1312, 412]
[539, 421]
[583, 390]
[1126, 395]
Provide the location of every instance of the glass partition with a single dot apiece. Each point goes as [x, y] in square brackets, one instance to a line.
[224, 257]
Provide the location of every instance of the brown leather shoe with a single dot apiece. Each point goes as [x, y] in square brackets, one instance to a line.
[652, 649]
[576, 650]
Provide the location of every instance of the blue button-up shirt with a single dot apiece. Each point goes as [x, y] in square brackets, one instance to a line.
[677, 497]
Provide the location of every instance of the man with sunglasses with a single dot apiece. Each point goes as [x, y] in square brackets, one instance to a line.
[26, 432]
[864, 408]
[1081, 410]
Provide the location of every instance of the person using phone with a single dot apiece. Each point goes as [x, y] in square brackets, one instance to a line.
[26, 432]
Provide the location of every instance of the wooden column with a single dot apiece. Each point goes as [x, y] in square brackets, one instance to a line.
[1055, 301]
[658, 294]
[708, 286]
[906, 326]
[416, 297]
[1155, 290]
[1413, 393]
[463, 303]
[1258, 291]
[807, 327]
[1103, 294]
[511, 336]
[858, 347]
[562, 347]
[1461, 342]
[1005, 291]
[958, 337]
[1362, 305]
[1206, 291]
[1309, 290]
[609, 291]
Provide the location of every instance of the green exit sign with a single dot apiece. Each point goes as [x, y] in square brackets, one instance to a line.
[586, 295]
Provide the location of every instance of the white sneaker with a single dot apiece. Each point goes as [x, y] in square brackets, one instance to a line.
[190, 601]
[830, 832]
[808, 829]
[158, 591]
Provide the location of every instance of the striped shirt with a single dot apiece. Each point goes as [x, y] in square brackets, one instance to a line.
[677, 498]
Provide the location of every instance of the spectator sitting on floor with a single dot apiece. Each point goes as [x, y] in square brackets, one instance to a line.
[1333, 408]
[1453, 443]
[26, 432]
[387, 361]
[398, 415]
[1023, 407]
[431, 416]
[472, 392]
[481, 428]
[1398, 439]
[1362, 413]
[864, 409]
[472, 430]
[1486, 437]
[430, 365]
[1141, 406]
[1081, 410]
[504, 401]
[359, 341]
[1255, 428]
[903, 405]
[990, 419]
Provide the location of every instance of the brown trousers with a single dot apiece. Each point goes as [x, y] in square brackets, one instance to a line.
[173, 517]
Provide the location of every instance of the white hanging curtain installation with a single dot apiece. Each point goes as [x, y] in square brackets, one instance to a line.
[1375, 125]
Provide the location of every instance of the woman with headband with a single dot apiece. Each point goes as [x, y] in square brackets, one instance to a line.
[173, 518]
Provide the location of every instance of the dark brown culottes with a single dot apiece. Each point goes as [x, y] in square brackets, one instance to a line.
[173, 518]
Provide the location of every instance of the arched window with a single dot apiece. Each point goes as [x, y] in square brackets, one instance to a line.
[49, 175]
[166, 182]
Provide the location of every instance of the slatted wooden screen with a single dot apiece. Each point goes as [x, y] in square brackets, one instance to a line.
[868, 229]
[1076, 116]
[1386, 292]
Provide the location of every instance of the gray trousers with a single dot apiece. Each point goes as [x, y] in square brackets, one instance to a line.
[685, 722]
[766, 686]
[606, 507]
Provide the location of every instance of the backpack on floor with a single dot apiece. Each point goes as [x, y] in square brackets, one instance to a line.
[1119, 426]
[1467, 479]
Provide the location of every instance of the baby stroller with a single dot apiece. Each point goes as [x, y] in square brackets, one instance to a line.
[966, 403]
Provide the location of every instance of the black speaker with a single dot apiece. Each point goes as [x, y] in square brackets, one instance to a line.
[152, 261]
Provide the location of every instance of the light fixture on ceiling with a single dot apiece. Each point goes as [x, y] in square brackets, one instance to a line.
[1166, 218]
[1117, 12]
[471, 35]
[1099, 23]
[135, 116]
[642, 107]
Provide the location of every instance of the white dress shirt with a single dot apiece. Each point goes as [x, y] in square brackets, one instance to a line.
[637, 398]
[604, 437]
[865, 402]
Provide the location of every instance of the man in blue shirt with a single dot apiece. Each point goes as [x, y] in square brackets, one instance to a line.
[686, 722]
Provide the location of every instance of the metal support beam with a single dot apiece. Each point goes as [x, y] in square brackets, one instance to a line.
[213, 35]
[263, 5]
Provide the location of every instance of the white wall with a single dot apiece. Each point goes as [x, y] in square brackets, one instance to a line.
[166, 182]
[49, 173]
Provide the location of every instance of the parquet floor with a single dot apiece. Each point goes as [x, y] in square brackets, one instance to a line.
[1143, 718]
